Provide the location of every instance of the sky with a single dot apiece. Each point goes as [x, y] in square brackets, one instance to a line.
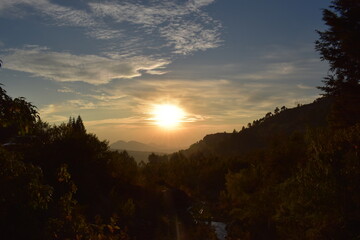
[223, 62]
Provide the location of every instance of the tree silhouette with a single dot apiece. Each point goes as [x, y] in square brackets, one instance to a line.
[277, 110]
[17, 116]
[339, 45]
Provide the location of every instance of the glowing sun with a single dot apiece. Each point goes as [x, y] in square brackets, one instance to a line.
[167, 115]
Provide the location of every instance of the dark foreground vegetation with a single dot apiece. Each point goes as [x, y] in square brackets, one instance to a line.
[290, 181]
[294, 174]
[60, 182]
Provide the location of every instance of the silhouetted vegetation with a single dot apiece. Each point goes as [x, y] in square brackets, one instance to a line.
[293, 174]
[288, 176]
[60, 182]
[339, 45]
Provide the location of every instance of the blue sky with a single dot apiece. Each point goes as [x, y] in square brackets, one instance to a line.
[224, 62]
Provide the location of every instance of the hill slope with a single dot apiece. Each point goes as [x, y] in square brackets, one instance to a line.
[141, 151]
[140, 147]
[131, 146]
[264, 131]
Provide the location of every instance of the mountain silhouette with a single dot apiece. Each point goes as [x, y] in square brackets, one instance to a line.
[142, 147]
[140, 151]
[265, 131]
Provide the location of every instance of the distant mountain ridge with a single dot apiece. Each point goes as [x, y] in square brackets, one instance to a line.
[141, 147]
[264, 131]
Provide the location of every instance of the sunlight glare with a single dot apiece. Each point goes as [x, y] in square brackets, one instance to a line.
[168, 116]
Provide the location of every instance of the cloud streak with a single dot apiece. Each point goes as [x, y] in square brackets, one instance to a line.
[183, 27]
[51, 114]
[62, 15]
[215, 100]
[66, 67]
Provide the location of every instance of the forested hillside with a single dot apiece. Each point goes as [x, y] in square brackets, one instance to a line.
[263, 132]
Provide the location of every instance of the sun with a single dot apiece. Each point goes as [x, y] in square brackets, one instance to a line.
[168, 116]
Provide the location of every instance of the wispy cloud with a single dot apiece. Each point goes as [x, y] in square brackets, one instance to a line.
[279, 70]
[66, 67]
[65, 90]
[105, 33]
[61, 15]
[116, 121]
[199, 3]
[82, 104]
[302, 86]
[140, 37]
[182, 26]
[151, 14]
[51, 114]
[190, 37]
[217, 100]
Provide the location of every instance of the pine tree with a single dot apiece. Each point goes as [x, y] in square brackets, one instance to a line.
[340, 46]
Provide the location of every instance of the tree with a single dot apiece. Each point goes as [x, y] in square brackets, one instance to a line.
[277, 110]
[269, 114]
[17, 116]
[340, 46]
[322, 197]
[24, 198]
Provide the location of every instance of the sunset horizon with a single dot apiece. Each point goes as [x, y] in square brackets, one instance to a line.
[179, 119]
[223, 63]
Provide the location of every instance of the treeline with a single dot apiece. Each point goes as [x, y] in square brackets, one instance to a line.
[303, 186]
[60, 182]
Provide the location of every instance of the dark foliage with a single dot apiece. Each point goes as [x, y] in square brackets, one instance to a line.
[17, 116]
[265, 131]
[340, 46]
[60, 182]
[288, 176]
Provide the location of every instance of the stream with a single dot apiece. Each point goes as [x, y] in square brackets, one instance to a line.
[220, 230]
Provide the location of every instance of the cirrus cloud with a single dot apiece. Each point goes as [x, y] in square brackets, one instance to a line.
[184, 27]
[67, 67]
